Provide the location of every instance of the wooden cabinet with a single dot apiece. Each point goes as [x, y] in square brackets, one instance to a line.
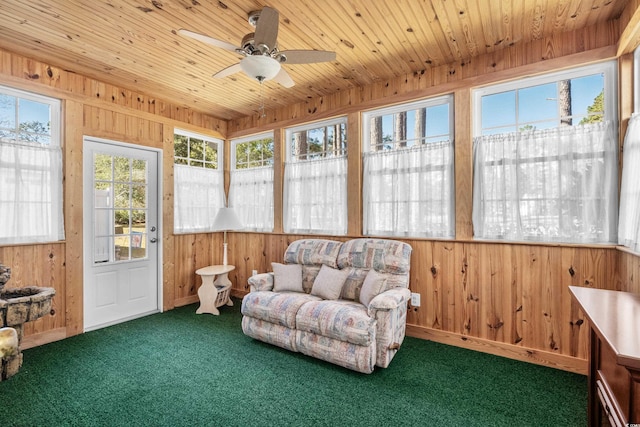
[614, 355]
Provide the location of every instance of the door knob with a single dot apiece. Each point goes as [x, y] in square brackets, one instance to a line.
[153, 240]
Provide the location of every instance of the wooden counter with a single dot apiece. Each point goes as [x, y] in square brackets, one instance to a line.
[614, 356]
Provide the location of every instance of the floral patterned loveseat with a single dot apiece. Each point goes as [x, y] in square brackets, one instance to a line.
[350, 308]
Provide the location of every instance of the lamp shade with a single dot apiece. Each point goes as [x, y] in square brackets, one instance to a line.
[227, 219]
[260, 67]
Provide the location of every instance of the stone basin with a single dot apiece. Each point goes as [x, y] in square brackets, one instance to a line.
[17, 307]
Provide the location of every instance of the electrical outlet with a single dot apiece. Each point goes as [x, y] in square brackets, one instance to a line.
[254, 272]
[415, 299]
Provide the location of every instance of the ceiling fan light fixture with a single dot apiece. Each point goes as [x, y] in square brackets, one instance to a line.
[260, 67]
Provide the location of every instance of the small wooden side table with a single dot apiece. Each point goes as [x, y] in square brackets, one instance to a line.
[214, 281]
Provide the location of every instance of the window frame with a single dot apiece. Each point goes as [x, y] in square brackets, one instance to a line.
[607, 68]
[406, 107]
[314, 162]
[367, 116]
[55, 143]
[199, 228]
[206, 138]
[636, 80]
[256, 137]
[55, 112]
[311, 126]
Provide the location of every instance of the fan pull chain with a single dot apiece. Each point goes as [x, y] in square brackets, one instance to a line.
[261, 112]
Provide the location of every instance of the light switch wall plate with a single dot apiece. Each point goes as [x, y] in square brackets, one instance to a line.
[254, 272]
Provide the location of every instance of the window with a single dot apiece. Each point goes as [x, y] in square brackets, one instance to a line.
[251, 186]
[198, 181]
[315, 179]
[30, 168]
[545, 158]
[629, 219]
[408, 178]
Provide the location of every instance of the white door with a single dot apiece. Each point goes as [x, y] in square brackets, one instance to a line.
[121, 229]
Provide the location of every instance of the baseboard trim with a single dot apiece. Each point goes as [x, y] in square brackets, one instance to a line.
[191, 299]
[538, 357]
[42, 338]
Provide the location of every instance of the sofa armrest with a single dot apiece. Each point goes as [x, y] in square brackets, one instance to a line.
[390, 311]
[261, 282]
[389, 300]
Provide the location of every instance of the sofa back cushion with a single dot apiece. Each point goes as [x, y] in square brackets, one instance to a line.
[392, 258]
[312, 254]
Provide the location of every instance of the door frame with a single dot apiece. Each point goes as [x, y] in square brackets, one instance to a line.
[86, 225]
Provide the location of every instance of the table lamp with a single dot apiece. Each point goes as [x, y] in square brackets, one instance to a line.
[225, 220]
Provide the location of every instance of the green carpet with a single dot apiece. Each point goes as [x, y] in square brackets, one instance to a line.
[178, 368]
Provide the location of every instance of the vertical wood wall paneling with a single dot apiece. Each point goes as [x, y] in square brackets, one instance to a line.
[168, 242]
[73, 216]
[463, 163]
[354, 174]
[38, 265]
[279, 156]
[629, 271]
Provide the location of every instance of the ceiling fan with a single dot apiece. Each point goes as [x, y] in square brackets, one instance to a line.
[262, 60]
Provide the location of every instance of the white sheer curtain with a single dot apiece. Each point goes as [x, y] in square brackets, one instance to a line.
[251, 195]
[410, 192]
[550, 185]
[629, 223]
[198, 194]
[315, 196]
[30, 193]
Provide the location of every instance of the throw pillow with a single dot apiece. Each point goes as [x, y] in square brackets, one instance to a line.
[287, 277]
[373, 285]
[329, 282]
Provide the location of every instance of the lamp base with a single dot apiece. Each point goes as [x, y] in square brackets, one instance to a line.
[224, 256]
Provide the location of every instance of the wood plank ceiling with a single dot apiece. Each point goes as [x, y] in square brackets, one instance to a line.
[134, 44]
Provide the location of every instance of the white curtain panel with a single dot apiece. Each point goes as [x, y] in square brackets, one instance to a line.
[410, 192]
[30, 193]
[198, 194]
[315, 196]
[629, 223]
[251, 195]
[556, 185]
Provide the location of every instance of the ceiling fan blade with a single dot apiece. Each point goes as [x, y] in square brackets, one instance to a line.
[267, 28]
[284, 79]
[308, 56]
[235, 68]
[208, 40]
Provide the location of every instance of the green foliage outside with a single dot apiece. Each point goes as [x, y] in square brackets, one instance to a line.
[253, 154]
[595, 110]
[195, 152]
[126, 180]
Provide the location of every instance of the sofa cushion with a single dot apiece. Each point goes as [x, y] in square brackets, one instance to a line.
[374, 284]
[385, 256]
[313, 252]
[390, 257]
[287, 277]
[279, 308]
[342, 320]
[329, 282]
